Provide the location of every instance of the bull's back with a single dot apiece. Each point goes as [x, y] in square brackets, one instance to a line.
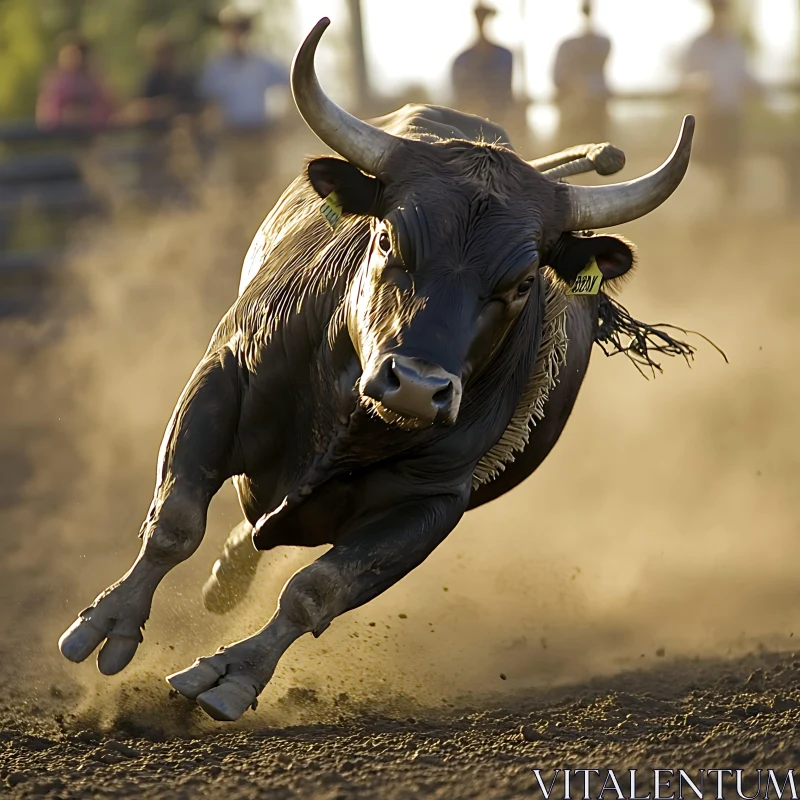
[434, 123]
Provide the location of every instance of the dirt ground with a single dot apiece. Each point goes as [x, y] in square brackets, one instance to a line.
[633, 605]
[690, 715]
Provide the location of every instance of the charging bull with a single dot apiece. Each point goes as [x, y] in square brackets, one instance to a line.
[406, 355]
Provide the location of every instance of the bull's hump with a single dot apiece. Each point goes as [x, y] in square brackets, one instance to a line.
[436, 123]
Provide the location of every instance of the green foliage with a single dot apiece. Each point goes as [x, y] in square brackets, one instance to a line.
[25, 45]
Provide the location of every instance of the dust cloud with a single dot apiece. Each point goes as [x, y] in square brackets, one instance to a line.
[665, 523]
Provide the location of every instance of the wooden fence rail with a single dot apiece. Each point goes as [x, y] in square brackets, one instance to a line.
[45, 185]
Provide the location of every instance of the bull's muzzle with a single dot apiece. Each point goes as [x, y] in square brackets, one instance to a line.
[414, 389]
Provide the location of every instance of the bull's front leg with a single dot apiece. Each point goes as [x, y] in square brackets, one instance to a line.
[196, 457]
[373, 556]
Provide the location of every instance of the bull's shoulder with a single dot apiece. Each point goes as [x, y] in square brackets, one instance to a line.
[581, 331]
[290, 235]
[434, 123]
[297, 269]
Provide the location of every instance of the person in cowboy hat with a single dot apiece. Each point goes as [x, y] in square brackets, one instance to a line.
[481, 75]
[237, 82]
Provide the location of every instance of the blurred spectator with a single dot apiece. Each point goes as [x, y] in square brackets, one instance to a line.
[717, 74]
[166, 89]
[167, 104]
[481, 75]
[236, 83]
[72, 95]
[581, 86]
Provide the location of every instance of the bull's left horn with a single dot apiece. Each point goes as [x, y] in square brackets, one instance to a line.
[603, 206]
[359, 142]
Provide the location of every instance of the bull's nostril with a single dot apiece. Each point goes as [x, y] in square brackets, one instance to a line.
[391, 380]
[443, 397]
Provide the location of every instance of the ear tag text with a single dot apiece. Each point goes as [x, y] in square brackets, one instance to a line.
[331, 209]
[588, 280]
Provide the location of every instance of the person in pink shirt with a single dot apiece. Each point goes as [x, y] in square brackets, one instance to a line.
[72, 95]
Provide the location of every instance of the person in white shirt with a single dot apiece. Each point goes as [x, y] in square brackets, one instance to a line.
[716, 74]
[237, 83]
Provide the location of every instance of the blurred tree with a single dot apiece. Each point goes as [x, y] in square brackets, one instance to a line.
[25, 45]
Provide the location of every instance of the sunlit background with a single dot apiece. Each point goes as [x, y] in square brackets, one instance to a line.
[413, 44]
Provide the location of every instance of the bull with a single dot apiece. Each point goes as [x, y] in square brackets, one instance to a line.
[405, 356]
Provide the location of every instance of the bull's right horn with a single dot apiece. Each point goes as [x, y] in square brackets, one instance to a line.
[359, 142]
[603, 206]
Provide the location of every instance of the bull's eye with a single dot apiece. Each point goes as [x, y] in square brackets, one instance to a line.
[384, 243]
[526, 285]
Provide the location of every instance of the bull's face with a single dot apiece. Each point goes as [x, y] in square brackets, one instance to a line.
[428, 313]
[454, 258]
[459, 233]
[435, 298]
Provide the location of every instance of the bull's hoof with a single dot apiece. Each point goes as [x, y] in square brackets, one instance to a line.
[116, 654]
[219, 597]
[223, 697]
[199, 678]
[116, 617]
[79, 641]
[233, 573]
[226, 684]
[228, 701]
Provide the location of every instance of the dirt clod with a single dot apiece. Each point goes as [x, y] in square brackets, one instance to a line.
[530, 734]
[15, 778]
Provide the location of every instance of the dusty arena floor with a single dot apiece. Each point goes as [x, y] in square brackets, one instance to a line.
[701, 715]
[632, 606]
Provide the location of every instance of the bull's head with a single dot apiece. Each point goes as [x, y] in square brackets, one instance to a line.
[460, 231]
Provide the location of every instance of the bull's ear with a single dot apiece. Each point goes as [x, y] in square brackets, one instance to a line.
[614, 255]
[356, 192]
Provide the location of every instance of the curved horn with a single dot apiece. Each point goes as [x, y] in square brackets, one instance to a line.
[360, 143]
[603, 206]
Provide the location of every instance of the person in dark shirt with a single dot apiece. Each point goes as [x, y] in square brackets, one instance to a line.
[168, 106]
[166, 90]
[581, 86]
[481, 75]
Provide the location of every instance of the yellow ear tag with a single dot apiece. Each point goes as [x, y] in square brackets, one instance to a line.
[588, 280]
[331, 210]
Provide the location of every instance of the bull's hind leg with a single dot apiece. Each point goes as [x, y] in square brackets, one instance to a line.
[233, 572]
[369, 560]
[195, 459]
